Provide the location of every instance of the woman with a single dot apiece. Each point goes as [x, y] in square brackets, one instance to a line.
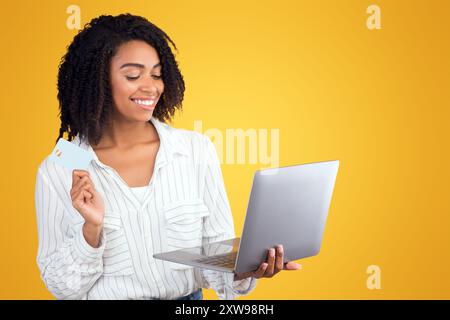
[150, 188]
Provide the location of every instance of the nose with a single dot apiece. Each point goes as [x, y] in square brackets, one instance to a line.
[149, 85]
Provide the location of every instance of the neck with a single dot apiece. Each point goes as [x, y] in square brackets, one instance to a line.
[125, 134]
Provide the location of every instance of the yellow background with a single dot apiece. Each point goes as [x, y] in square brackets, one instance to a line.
[377, 100]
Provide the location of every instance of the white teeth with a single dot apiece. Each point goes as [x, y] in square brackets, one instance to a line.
[144, 102]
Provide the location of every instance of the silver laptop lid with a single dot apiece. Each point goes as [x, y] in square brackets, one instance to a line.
[289, 206]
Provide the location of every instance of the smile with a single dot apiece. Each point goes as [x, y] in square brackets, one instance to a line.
[146, 104]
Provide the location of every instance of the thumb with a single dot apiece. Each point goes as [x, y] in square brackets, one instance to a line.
[292, 266]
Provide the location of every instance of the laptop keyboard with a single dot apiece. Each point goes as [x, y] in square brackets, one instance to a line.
[227, 260]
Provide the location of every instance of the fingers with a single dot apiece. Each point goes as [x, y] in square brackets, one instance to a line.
[84, 182]
[274, 261]
[261, 270]
[270, 263]
[88, 188]
[292, 266]
[78, 201]
[279, 259]
[79, 178]
[82, 188]
[77, 175]
[80, 181]
[85, 185]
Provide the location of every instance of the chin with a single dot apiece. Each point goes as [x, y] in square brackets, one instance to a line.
[149, 116]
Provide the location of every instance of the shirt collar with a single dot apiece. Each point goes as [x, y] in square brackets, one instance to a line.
[170, 143]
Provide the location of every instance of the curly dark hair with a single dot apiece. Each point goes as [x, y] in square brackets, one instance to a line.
[84, 90]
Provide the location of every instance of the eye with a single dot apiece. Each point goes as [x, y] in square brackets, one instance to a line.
[157, 77]
[132, 78]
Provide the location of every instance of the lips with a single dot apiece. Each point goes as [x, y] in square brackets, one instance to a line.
[146, 103]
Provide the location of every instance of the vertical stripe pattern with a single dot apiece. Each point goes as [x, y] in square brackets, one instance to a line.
[184, 205]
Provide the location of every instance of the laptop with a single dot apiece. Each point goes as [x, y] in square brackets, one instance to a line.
[287, 205]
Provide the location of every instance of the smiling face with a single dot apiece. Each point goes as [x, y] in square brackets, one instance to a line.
[136, 81]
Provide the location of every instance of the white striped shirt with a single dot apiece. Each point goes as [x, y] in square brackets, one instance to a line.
[184, 205]
[140, 192]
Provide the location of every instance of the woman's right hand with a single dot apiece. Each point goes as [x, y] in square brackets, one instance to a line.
[86, 199]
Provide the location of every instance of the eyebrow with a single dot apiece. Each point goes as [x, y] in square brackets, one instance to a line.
[138, 65]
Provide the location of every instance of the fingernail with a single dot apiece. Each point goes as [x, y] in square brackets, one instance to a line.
[272, 253]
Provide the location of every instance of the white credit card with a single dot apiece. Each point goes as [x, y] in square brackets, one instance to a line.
[70, 156]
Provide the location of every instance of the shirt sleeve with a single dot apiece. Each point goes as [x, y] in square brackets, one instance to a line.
[219, 226]
[68, 265]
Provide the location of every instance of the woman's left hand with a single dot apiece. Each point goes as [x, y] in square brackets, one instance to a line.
[271, 267]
